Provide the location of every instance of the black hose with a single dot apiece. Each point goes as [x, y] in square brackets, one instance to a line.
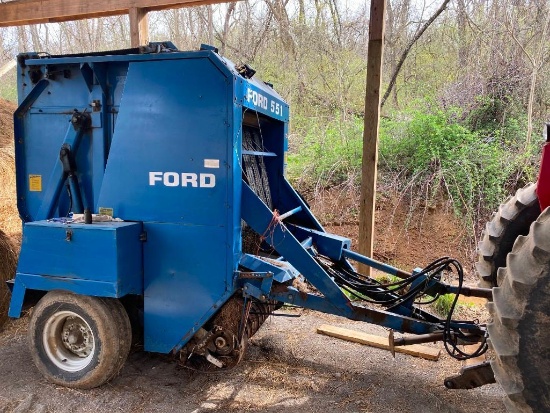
[393, 294]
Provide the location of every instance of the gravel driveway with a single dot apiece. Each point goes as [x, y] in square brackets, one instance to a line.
[288, 367]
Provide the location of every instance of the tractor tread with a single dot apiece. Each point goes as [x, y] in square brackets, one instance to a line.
[510, 221]
[516, 302]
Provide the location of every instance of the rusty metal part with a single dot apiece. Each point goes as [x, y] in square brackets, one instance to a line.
[472, 376]
[391, 340]
[224, 338]
[432, 337]
[472, 292]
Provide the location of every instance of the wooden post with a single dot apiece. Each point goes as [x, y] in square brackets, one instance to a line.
[370, 134]
[139, 29]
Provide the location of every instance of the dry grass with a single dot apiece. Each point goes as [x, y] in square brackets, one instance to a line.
[10, 224]
[6, 123]
[8, 263]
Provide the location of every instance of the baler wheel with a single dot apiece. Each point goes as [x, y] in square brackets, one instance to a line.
[512, 219]
[79, 341]
[520, 330]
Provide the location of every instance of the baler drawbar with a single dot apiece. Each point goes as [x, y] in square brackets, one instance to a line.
[151, 183]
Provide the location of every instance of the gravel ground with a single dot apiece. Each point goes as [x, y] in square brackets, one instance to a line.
[287, 367]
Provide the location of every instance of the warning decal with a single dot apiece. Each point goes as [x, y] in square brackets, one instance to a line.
[105, 211]
[35, 183]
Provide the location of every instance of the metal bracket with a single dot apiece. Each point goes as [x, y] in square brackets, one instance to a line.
[264, 279]
[472, 376]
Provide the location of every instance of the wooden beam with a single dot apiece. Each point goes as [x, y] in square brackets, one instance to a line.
[370, 133]
[429, 353]
[22, 12]
[139, 28]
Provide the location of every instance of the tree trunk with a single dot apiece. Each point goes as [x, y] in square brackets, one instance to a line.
[226, 21]
[530, 107]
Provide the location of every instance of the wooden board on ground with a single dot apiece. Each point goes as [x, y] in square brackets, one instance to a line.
[416, 350]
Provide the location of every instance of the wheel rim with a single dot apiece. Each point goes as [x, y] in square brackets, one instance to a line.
[68, 341]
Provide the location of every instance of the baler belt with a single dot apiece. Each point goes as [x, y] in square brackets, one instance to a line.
[254, 165]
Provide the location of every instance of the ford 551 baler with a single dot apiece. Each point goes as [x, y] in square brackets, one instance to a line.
[152, 187]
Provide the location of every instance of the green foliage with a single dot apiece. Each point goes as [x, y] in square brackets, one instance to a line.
[487, 115]
[8, 90]
[443, 304]
[432, 152]
[498, 119]
[327, 154]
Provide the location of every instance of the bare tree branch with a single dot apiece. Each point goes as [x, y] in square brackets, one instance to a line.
[409, 47]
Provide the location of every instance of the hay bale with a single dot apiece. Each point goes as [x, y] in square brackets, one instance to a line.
[10, 223]
[6, 123]
[9, 252]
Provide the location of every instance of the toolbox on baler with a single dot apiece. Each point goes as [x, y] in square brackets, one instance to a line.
[103, 259]
[188, 149]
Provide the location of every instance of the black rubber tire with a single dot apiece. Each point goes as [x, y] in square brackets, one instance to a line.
[126, 336]
[61, 319]
[520, 330]
[512, 220]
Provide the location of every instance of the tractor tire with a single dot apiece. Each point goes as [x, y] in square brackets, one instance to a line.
[79, 341]
[512, 220]
[520, 330]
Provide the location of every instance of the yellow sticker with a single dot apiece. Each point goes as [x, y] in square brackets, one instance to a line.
[35, 183]
[105, 211]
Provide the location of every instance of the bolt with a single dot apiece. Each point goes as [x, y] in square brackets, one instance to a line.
[220, 342]
[290, 297]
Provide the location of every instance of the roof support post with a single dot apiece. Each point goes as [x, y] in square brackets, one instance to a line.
[139, 28]
[370, 133]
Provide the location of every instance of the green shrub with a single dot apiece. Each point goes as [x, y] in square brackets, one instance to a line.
[433, 154]
[8, 90]
[427, 154]
[443, 304]
[327, 154]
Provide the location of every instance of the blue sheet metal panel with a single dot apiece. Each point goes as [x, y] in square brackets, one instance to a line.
[45, 283]
[42, 127]
[329, 245]
[44, 135]
[169, 159]
[235, 175]
[255, 94]
[282, 271]
[105, 252]
[185, 281]
[66, 84]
